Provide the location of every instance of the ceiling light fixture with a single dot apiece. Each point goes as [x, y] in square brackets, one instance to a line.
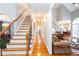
[76, 4]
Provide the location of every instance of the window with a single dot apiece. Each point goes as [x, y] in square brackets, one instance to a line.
[65, 25]
[75, 28]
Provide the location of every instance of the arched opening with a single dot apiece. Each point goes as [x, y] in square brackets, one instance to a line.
[75, 28]
[75, 37]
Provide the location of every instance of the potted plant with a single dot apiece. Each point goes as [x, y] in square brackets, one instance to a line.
[3, 43]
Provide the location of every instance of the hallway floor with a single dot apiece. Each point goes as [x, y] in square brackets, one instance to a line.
[40, 49]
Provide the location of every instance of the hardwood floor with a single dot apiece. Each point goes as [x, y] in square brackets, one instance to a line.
[61, 55]
[40, 48]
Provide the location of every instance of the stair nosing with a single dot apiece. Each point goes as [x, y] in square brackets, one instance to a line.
[14, 55]
[18, 39]
[17, 44]
[23, 31]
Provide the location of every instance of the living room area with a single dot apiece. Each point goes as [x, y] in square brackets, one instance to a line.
[65, 23]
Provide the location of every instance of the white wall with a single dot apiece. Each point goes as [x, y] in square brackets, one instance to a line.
[21, 6]
[12, 9]
[66, 14]
[8, 9]
[48, 27]
[55, 18]
[75, 14]
[62, 13]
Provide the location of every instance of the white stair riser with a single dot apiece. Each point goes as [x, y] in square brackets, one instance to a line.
[14, 52]
[19, 46]
[23, 30]
[15, 41]
[16, 46]
[18, 33]
[24, 25]
[19, 36]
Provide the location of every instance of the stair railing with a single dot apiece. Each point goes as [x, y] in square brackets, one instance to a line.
[12, 23]
[7, 28]
[29, 37]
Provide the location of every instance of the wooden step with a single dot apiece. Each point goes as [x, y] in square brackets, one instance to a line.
[14, 55]
[25, 26]
[18, 35]
[20, 43]
[17, 39]
[16, 46]
[22, 31]
[17, 43]
[16, 49]
[25, 54]
[14, 52]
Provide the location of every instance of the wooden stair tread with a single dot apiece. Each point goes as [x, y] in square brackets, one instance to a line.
[14, 55]
[22, 31]
[18, 35]
[24, 24]
[17, 39]
[16, 49]
[23, 28]
[17, 43]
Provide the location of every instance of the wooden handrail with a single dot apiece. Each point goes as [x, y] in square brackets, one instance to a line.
[12, 23]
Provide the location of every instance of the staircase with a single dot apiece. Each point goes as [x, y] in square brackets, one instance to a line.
[18, 45]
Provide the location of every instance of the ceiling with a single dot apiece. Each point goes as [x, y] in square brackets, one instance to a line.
[70, 6]
[39, 7]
